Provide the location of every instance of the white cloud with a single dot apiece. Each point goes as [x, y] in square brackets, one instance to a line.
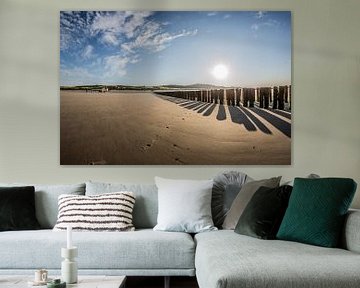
[147, 32]
[76, 76]
[160, 41]
[88, 52]
[110, 38]
[153, 39]
[255, 27]
[113, 26]
[65, 22]
[271, 23]
[211, 14]
[260, 14]
[65, 40]
[108, 22]
[264, 22]
[72, 30]
[97, 62]
[115, 66]
[134, 21]
[227, 16]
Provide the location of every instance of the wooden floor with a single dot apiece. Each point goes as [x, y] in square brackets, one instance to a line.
[158, 282]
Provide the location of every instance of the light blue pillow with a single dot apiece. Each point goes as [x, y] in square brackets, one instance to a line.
[184, 205]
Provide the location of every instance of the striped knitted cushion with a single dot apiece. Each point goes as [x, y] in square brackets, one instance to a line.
[105, 212]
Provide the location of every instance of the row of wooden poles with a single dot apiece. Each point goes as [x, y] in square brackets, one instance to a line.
[277, 96]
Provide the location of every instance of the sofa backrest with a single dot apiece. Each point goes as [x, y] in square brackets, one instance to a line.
[351, 237]
[146, 203]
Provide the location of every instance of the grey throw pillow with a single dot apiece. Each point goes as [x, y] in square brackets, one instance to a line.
[226, 187]
[184, 205]
[242, 199]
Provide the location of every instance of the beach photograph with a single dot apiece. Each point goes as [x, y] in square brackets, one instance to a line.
[175, 88]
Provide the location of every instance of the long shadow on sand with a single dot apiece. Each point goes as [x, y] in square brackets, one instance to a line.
[282, 113]
[203, 108]
[174, 100]
[221, 113]
[194, 105]
[185, 103]
[199, 107]
[239, 117]
[209, 110]
[280, 124]
[256, 121]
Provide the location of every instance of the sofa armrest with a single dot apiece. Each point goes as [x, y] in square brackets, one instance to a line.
[351, 234]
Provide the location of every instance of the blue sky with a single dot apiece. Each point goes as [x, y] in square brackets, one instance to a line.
[174, 47]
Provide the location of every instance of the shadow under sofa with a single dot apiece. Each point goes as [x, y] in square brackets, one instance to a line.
[220, 259]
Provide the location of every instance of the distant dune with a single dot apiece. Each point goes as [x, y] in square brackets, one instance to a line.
[145, 128]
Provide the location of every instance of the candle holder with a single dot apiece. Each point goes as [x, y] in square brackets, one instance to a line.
[69, 271]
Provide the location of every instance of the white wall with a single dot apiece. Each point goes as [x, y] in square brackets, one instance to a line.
[326, 89]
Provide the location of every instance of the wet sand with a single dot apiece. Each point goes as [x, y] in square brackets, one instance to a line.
[144, 128]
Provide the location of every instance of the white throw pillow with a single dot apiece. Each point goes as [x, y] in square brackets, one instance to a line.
[105, 212]
[184, 205]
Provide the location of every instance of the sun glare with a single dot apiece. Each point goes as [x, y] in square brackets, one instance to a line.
[220, 71]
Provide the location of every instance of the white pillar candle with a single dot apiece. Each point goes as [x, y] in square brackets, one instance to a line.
[69, 237]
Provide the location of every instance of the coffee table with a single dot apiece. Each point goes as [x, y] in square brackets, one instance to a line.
[84, 281]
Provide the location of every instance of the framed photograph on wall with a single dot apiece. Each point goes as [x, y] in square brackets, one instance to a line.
[175, 87]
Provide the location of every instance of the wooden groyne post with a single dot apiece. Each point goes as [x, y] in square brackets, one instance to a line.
[277, 95]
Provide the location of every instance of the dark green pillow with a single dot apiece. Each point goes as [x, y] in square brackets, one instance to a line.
[316, 211]
[17, 208]
[264, 212]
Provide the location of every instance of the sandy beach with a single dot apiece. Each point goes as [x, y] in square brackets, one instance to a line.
[134, 127]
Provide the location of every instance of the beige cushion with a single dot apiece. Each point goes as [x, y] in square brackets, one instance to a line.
[243, 198]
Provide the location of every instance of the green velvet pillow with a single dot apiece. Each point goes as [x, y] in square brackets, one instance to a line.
[316, 211]
[17, 208]
[263, 214]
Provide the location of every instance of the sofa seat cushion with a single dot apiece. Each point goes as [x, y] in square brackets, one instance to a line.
[226, 259]
[142, 249]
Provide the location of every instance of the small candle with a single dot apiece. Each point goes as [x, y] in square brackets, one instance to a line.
[69, 239]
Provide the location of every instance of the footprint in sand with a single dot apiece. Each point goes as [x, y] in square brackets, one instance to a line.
[147, 146]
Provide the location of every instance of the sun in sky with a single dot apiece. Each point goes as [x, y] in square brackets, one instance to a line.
[220, 71]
